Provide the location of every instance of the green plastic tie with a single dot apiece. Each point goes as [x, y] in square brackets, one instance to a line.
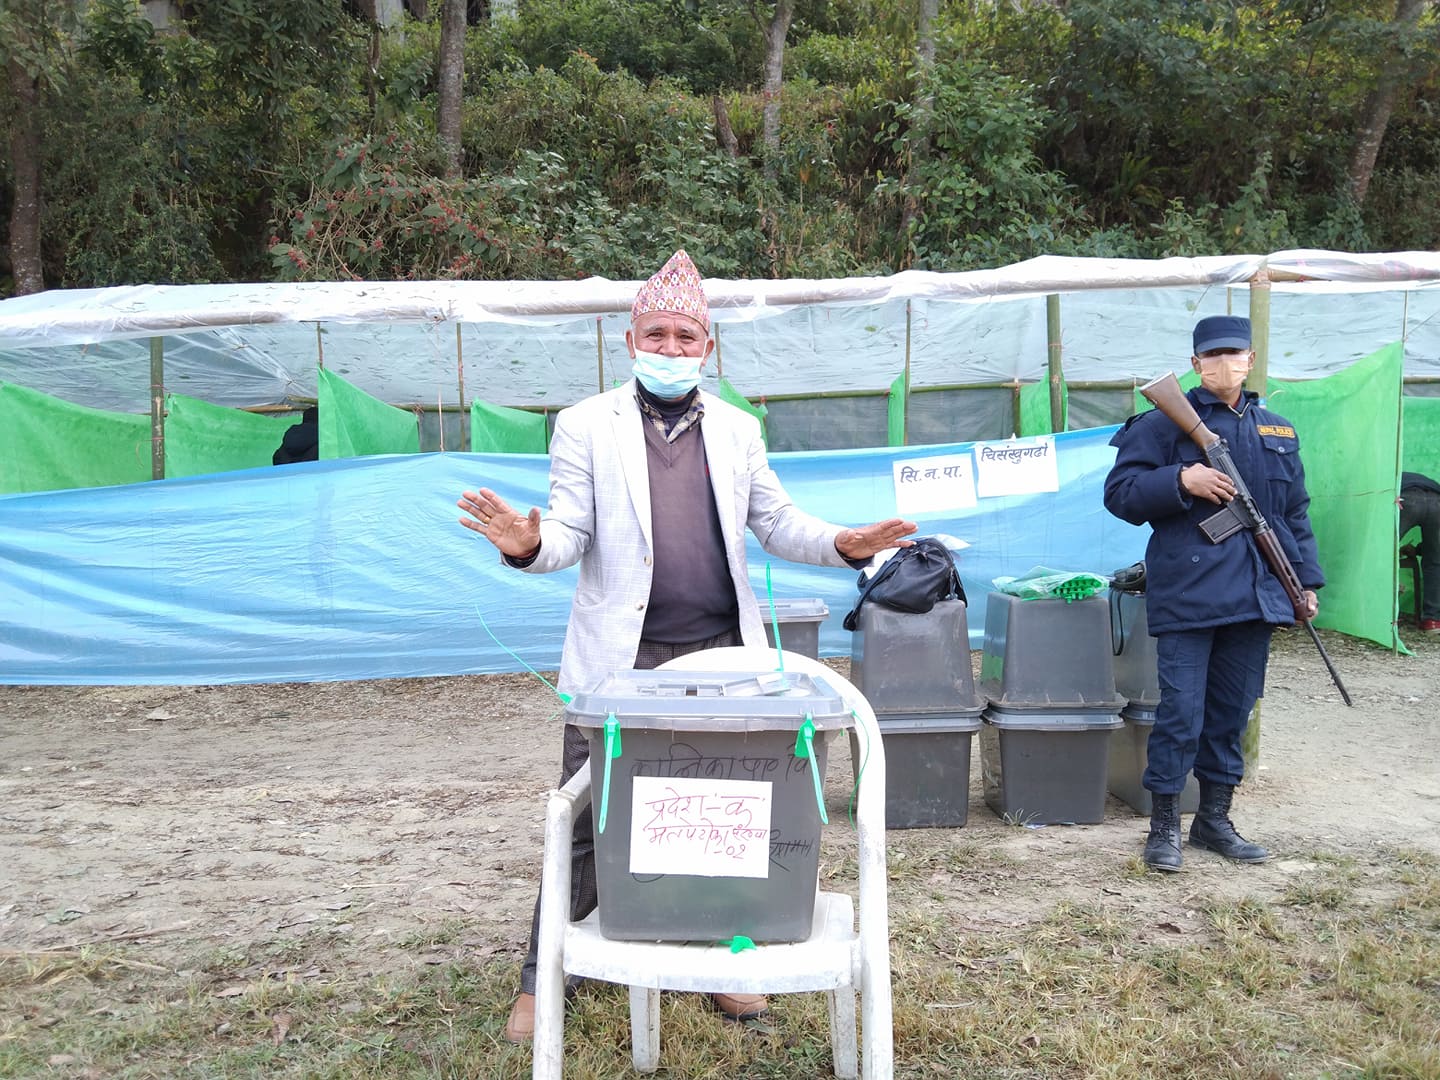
[805, 749]
[563, 697]
[739, 943]
[612, 751]
[774, 622]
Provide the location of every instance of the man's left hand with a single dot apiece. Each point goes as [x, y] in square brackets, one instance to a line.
[868, 540]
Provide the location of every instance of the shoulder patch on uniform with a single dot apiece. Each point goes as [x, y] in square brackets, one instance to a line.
[1276, 429]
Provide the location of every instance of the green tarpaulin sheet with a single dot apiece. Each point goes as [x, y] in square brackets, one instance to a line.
[353, 423]
[497, 429]
[1035, 409]
[895, 412]
[47, 444]
[729, 394]
[204, 438]
[1350, 471]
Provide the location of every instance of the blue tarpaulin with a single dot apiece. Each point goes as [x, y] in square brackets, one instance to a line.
[357, 568]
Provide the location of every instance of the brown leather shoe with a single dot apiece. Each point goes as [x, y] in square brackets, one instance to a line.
[520, 1028]
[740, 1006]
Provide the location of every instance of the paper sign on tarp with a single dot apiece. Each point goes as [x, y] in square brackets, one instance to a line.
[705, 828]
[925, 485]
[1016, 467]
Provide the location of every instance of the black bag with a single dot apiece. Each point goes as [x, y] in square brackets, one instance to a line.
[912, 580]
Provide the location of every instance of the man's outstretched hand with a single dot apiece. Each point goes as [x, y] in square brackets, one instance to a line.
[868, 540]
[516, 535]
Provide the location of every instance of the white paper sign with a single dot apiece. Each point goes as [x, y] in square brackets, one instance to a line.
[1016, 467]
[708, 828]
[934, 483]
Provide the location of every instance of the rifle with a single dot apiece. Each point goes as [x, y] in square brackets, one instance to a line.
[1240, 512]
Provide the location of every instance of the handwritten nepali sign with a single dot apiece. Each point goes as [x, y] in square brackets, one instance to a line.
[706, 828]
[1016, 467]
[934, 483]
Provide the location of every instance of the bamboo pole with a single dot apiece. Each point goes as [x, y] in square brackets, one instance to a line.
[1053, 363]
[1260, 341]
[599, 355]
[460, 380]
[157, 408]
[905, 413]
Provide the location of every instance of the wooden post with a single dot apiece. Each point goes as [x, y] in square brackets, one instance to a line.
[1260, 342]
[599, 355]
[157, 408]
[905, 419]
[1056, 370]
[460, 381]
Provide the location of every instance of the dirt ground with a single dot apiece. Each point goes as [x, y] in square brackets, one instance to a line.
[179, 820]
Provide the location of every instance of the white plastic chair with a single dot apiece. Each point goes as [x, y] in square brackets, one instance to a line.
[835, 958]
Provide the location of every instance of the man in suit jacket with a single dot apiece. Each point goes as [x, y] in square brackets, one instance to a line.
[652, 486]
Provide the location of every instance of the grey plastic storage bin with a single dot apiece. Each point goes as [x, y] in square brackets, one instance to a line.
[799, 624]
[723, 731]
[1136, 677]
[927, 768]
[1048, 654]
[914, 663]
[1127, 764]
[1046, 767]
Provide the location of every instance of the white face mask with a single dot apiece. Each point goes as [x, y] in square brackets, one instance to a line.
[667, 377]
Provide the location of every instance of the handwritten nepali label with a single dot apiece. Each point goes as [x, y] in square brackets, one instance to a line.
[1016, 467]
[934, 483]
[705, 828]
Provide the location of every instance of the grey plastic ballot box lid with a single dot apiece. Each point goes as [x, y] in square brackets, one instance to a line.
[1053, 719]
[717, 700]
[805, 609]
[956, 723]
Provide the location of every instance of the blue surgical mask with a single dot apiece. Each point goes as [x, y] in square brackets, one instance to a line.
[667, 377]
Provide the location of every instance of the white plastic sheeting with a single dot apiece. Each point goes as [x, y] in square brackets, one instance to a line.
[534, 343]
[358, 568]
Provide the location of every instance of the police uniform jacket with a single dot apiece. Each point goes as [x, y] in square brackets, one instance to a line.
[1190, 582]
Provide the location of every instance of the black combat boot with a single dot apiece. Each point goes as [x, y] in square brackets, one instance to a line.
[1213, 830]
[1162, 846]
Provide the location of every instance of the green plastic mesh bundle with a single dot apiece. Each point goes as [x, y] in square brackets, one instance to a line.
[1043, 583]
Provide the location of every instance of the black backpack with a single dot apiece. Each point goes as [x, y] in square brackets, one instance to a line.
[912, 580]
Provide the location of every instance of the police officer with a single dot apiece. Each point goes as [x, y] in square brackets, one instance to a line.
[1211, 607]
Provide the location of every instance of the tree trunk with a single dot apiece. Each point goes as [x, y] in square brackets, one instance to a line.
[452, 81]
[1380, 103]
[924, 106]
[724, 133]
[775, 33]
[25, 263]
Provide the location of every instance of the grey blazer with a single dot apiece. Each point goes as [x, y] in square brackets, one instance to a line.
[599, 515]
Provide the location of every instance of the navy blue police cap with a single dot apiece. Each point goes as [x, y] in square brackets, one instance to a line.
[1222, 332]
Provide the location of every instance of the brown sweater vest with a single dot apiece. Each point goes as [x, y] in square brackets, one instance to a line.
[692, 597]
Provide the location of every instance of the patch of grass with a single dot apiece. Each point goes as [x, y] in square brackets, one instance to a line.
[1339, 977]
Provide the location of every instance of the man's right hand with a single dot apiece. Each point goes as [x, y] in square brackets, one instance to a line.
[1203, 482]
[516, 535]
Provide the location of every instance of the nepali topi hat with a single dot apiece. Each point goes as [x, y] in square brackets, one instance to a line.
[675, 288]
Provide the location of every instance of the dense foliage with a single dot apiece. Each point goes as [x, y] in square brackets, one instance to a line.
[256, 140]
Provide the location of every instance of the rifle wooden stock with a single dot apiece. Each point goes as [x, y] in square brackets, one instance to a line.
[1165, 394]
